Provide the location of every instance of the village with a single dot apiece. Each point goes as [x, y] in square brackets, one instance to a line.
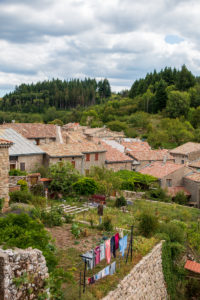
[30, 146]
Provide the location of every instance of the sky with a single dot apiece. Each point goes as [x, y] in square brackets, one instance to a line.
[119, 40]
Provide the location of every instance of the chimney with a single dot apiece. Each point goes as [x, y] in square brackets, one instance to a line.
[89, 137]
[164, 159]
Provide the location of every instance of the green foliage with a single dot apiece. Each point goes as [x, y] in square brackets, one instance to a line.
[22, 231]
[23, 185]
[185, 79]
[178, 104]
[55, 282]
[37, 189]
[117, 125]
[180, 198]
[159, 194]
[167, 265]
[57, 122]
[106, 224]
[85, 186]
[174, 231]
[27, 197]
[1, 203]
[120, 201]
[69, 219]
[63, 176]
[192, 289]
[51, 218]
[139, 119]
[75, 230]
[148, 224]
[16, 172]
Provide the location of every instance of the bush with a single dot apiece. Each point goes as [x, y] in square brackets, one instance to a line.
[68, 219]
[174, 231]
[75, 230]
[107, 224]
[37, 189]
[23, 185]
[21, 196]
[159, 194]
[180, 198]
[22, 231]
[51, 218]
[16, 172]
[85, 186]
[1, 203]
[121, 201]
[148, 224]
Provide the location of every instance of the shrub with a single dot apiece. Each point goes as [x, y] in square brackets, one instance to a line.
[37, 189]
[180, 198]
[22, 231]
[107, 224]
[16, 172]
[68, 219]
[85, 186]
[174, 231]
[128, 185]
[121, 201]
[21, 196]
[75, 230]
[51, 218]
[23, 185]
[148, 224]
[159, 194]
[1, 203]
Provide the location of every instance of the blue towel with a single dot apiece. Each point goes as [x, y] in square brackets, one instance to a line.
[107, 270]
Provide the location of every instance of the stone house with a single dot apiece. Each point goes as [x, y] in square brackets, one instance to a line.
[23, 154]
[143, 158]
[186, 153]
[116, 159]
[4, 169]
[168, 174]
[82, 152]
[191, 182]
[37, 133]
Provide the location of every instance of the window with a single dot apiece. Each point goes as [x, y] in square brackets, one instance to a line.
[87, 157]
[12, 166]
[13, 159]
[37, 141]
[96, 156]
[169, 182]
[182, 161]
[73, 163]
[22, 166]
[87, 172]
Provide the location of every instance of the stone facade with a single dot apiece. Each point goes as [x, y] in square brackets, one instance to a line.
[175, 178]
[4, 169]
[194, 188]
[31, 162]
[184, 158]
[16, 264]
[119, 166]
[145, 281]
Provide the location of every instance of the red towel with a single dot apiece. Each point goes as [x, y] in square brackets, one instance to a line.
[116, 241]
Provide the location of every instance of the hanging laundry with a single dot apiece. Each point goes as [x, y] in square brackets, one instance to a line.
[113, 268]
[121, 233]
[116, 241]
[125, 241]
[107, 270]
[112, 246]
[103, 273]
[97, 255]
[108, 254]
[123, 244]
[92, 280]
[91, 259]
[102, 251]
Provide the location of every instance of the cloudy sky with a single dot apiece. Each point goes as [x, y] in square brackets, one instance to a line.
[121, 40]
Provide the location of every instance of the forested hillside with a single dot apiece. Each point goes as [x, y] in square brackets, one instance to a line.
[163, 108]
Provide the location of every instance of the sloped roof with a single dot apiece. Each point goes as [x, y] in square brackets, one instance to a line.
[160, 170]
[186, 148]
[21, 146]
[114, 154]
[193, 176]
[61, 150]
[173, 190]
[5, 142]
[135, 144]
[155, 155]
[192, 266]
[195, 164]
[33, 130]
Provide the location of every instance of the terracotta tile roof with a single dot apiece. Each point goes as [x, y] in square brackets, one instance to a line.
[78, 140]
[135, 145]
[193, 176]
[186, 148]
[195, 164]
[152, 155]
[61, 150]
[172, 191]
[160, 170]
[114, 155]
[33, 130]
[192, 266]
[5, 142]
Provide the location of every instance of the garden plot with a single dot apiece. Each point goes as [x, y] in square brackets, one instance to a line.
[69, 209]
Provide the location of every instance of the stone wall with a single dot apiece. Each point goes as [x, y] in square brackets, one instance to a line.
[22, 274]
[4, 169]
[117, 166]
[145, 281]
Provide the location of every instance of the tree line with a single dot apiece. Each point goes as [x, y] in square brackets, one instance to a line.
[63, 95]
